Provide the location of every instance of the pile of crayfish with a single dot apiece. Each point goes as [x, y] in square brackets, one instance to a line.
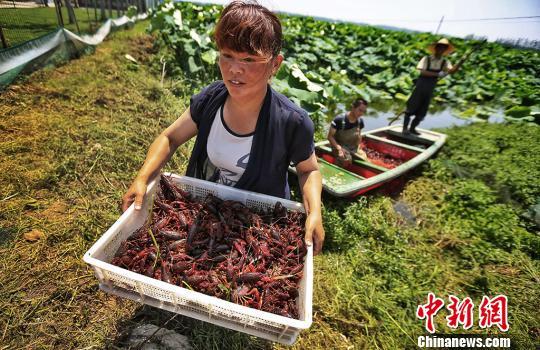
[381, 159]
[220, 248]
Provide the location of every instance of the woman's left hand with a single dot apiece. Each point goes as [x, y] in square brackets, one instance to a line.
[314, 231]
[310, 180]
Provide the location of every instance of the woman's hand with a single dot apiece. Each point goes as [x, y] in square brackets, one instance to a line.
[135, 193]
[310, 180]
[314, 232]
[159, 153]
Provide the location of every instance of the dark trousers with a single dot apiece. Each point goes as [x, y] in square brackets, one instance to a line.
[418, 103]
[417, 119]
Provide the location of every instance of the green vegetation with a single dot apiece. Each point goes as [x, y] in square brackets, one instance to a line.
[503, 157]
[328, 63]
[77, 134]
[23, 24]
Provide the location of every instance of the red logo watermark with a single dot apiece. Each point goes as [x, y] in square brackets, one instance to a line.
[461, 312]
[429, 310]
[494, 312]
[491, 312]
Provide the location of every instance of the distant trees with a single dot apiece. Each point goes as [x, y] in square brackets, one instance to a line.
[520, 43]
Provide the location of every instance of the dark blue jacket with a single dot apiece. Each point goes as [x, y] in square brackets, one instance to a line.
[283, 135]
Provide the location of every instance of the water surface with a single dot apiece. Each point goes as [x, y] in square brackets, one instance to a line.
[379, 115]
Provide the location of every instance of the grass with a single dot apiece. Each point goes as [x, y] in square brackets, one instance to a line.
[22, 24]
[73, 138]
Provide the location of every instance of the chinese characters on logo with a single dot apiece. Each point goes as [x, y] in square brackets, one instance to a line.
[494, 311]
[461, 312]
[429, 310]
[491, 312]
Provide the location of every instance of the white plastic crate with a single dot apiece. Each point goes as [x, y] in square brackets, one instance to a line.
[128, 284]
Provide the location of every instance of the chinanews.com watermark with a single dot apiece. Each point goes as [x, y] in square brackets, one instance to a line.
[492, 312]
[462, 341]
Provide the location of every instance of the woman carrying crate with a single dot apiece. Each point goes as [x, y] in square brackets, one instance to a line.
[246, 133]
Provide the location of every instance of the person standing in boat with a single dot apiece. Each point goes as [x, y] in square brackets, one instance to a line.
[345, 134]
[432, 68]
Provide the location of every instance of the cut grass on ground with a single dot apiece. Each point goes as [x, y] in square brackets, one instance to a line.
[74, 136]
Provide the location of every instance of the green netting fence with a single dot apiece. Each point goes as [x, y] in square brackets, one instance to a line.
[23, 20]
[40, 33]
[53, 48]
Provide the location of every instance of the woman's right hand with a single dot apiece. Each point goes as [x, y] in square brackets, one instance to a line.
[160, 151]
[135, 193]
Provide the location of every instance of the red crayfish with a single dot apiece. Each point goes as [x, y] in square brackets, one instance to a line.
[221, 248]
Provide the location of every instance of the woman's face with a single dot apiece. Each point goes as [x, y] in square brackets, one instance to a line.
[246, 75]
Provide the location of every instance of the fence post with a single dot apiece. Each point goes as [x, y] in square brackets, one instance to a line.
[71, 15]
[102, 6]
[140, 6]
[109, 2]
[58, 9]
[95, 12]
[4, 42]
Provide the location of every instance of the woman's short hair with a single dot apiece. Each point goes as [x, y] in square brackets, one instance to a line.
[358, 102]
[246, 26]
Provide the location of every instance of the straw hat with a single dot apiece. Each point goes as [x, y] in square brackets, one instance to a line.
[444, 41]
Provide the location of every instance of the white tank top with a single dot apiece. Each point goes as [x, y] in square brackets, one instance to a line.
[228, 151]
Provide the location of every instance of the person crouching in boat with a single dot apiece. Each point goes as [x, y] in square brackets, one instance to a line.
[345, 134]
[431, 68]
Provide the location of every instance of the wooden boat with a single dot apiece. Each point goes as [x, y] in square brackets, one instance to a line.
[391, 154]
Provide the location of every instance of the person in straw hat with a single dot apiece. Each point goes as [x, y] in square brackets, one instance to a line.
[431, 68]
